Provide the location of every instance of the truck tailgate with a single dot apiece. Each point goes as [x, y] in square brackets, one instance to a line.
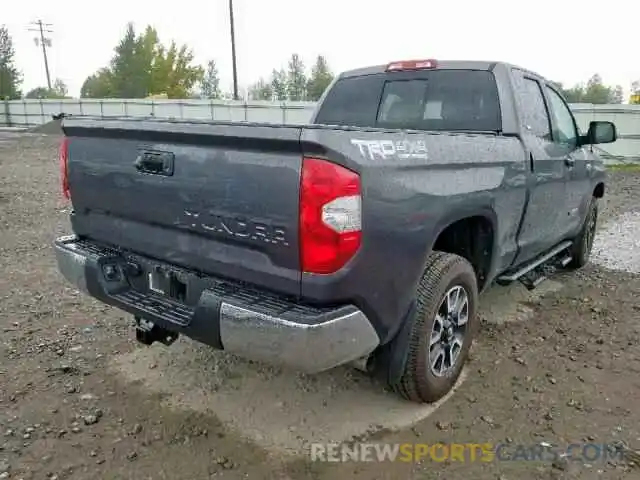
[222, 199]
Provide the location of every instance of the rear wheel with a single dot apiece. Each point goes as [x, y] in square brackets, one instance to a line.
[583, 243]
[444, 326]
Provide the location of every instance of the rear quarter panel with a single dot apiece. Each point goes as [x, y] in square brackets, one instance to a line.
[409, 196]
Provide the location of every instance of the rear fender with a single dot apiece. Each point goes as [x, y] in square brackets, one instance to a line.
[394, 353]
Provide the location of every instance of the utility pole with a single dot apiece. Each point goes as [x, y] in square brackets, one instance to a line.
[233, 52]
[45, 42]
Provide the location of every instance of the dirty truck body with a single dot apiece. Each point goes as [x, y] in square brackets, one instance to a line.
[363, 237]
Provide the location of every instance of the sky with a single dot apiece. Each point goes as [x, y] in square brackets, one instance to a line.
[565, 40]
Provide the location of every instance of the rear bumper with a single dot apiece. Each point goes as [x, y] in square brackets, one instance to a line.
[237, 318]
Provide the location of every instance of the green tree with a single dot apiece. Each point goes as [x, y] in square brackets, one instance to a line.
[172, 72]
[38, 92]
[597, 92]
[594, 91]
[617, 95]
[59, 90]
[261, 90]
[635, 93]
[571, 95]
[10, 77]
[296, 79]
[97, 85]
[210, 84]
[142, 66]
[129, 78]
[279, 85]
[319, 79]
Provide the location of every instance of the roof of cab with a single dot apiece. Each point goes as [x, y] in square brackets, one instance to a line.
[442, 64]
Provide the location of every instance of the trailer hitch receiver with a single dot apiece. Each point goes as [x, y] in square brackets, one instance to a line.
[148, 332]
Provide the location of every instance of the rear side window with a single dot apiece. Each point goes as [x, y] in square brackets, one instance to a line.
[434, 100]
[532, 106]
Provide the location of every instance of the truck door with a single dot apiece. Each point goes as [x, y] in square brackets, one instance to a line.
[545, 221]
[577, 161]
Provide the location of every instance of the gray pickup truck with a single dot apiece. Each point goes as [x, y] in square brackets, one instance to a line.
[361, 238]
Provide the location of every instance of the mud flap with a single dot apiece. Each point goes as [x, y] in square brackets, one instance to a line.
[392, 357]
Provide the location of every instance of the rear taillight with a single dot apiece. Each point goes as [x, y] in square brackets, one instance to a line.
[330, 216]
[64, 167]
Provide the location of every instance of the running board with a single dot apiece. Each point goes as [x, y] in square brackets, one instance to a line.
[566, 261]
[528, 268]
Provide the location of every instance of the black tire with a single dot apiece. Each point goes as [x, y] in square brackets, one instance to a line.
[443, 272]
[583, 243]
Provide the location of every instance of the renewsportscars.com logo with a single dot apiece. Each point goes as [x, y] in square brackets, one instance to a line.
[463, 452]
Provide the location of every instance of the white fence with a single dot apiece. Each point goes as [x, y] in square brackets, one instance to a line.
[627, 121]
[35, 112]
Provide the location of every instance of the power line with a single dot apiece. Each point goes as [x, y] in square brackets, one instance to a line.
[45, 42]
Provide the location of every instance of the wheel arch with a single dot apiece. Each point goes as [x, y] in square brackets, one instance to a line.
[598, 190]
[476, 218]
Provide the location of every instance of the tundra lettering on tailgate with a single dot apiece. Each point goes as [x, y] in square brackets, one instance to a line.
[402, 149]
[234, 227]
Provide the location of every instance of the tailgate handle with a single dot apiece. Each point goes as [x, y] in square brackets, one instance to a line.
[155, 162]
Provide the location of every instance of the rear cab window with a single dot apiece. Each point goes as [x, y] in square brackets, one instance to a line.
[436, 100]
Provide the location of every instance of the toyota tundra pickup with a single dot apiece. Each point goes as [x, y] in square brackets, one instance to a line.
[361, 238]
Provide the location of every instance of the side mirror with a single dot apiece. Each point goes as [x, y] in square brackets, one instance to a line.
[601, 132]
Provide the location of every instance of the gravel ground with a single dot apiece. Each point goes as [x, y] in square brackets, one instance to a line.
[618, 246]
[80, 399]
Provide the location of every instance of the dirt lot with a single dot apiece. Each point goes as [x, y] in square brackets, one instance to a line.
[80, 399]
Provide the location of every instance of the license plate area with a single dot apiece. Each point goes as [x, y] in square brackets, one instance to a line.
[168, 283]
